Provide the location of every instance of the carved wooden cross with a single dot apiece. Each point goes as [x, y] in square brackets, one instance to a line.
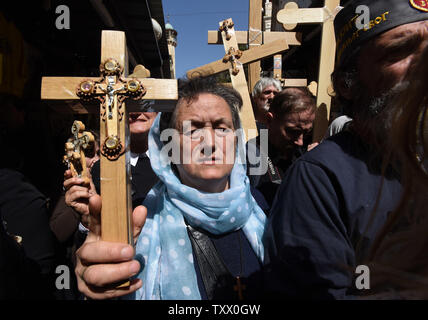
[290, 16]
[234, 61]
[255, 37]
[74, 151]
[110, 91]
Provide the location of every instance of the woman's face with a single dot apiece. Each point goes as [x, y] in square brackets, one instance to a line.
[207, 142]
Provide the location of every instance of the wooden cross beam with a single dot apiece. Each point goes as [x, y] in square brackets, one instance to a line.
[109, 92]
[248, 56]
[255, 37]
[239, 82]
[292, 38]
[234, 61]
[290, 16]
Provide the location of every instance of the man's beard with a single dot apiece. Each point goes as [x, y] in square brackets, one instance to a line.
[373, 115]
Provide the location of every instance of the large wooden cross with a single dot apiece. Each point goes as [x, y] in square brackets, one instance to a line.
[234, 61]
[290, 16]
[110, 91]
[255, 37]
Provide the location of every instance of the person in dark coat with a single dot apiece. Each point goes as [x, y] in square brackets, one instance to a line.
[335, 198]
[289, 127]
[202, 234]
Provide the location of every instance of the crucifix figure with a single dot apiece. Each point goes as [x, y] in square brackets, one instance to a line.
[234, 61]
[74, 151]
[110, 92]
[290, 16]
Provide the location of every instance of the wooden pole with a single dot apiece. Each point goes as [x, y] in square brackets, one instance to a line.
[327, 60]
[255, 38]
[290, 16]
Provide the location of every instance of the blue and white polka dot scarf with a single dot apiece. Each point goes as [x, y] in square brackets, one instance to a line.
[164, 248]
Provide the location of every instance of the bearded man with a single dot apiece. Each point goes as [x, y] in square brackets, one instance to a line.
[334, 199]
[263, 92]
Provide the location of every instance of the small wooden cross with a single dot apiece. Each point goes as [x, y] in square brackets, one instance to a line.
[255, 37]
[234, 61]
[110, 92]
[239, 287]
[74, 150]
[290, 16]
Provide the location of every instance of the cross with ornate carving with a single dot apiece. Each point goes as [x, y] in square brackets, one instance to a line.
[74, 150]
[110, 92]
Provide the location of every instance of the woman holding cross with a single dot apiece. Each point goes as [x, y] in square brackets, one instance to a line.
[199, 233]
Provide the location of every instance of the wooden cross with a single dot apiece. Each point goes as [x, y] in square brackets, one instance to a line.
[255, 37]
[239, 287]
[234, 61]
[74, 151]
[110, 91]
[290, 16]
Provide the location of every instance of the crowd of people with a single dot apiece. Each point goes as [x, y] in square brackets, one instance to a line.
[210, 227]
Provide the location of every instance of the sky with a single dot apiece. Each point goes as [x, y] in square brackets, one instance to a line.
[192, 19]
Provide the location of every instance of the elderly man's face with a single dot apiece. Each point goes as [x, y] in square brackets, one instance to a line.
[267, 94]
[385, 60]
[206, 133]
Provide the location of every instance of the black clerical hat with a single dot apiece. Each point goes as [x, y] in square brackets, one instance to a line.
[384, 15]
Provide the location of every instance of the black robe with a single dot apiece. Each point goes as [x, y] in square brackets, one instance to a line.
[320, 216]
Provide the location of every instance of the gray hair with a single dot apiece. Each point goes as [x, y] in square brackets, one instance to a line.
[192, 88]
[293, 100]
[263, 83]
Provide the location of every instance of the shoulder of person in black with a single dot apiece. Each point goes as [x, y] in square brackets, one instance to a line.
[344, 182]
[31, 264]
[269, 182]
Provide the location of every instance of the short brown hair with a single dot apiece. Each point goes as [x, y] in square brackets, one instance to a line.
[190, 89]
[292, 100]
